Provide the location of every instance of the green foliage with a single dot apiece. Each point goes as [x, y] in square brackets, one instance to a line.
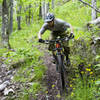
[25, 48]
[39, 72]
[75, 14]
[30, 92]
[25, 45]
[82, 91]
[97, 83]
[22, 53]
[1, 1]
[35, 87]
[26, 2]
[97, 57]
[2, 51]
[83, 85]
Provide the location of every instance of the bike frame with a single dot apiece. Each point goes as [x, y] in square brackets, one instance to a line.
[58, 50]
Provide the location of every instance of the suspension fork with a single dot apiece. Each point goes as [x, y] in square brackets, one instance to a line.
[62, 58]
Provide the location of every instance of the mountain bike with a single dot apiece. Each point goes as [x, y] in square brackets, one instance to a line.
[60, 59]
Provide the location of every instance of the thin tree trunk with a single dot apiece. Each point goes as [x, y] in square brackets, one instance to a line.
[29, 17]
[46, 8]
[14, 7]
[32, 17]
[53, 1]
[40, 10]
[5, 24]
[43, 9]
[19, 18]
[26, 17]
[11, 16]
[94, 13]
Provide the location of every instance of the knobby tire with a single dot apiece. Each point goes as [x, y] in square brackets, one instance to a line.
[61, 72]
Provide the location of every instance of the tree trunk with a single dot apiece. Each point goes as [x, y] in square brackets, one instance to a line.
[46, 8]
[53, 4]
[29, 17]
[14, 7]
[43, 9]
[19, 18]
[26, 17]
[5, 25]
[40, 10]
[94, 14]
[32, 15]
[32, 18]
[11, 16]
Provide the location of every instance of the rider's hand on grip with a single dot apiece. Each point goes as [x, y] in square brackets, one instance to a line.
[66, 39]
[41, 40]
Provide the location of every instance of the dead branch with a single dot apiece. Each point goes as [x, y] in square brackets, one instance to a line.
[90, 5]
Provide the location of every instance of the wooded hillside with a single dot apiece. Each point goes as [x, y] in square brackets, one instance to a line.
[27, 71]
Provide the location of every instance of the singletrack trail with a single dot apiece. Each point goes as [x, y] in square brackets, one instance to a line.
[51, 78]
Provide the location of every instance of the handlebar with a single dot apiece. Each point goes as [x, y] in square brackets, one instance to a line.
[57, 40]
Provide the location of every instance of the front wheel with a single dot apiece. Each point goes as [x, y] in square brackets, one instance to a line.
[61, 72]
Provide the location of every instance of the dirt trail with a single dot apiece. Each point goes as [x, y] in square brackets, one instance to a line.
[51, 78]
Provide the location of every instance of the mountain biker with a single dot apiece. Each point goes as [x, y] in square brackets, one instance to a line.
[57, 27]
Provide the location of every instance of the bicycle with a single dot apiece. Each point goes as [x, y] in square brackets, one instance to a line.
[60, 58]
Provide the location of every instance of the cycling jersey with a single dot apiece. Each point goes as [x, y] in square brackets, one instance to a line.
[59, 26]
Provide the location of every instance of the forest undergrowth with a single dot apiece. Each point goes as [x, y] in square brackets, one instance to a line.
[26, 56]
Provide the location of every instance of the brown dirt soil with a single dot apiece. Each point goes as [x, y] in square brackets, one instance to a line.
[51, 78]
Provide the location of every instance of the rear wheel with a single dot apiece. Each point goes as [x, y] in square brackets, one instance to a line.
[61, 82]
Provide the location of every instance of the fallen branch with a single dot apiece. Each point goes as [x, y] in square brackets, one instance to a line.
[4, 85]
[90, 5]
[95, 22]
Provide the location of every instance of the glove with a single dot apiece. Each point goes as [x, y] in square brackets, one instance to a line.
[41, 40]
[72, 35]
[66, 39]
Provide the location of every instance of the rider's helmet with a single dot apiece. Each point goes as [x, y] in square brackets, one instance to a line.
[49, 17]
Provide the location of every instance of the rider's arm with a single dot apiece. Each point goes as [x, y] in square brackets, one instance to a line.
[42, 30]
[69, 26]
[72, 30]
[39, 35]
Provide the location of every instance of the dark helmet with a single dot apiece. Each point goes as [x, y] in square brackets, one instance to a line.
[49, 17]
